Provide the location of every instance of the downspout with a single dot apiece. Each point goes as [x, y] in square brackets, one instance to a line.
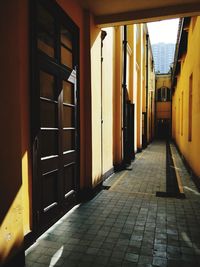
[155, 114]
[147, 86]
[124, 92]
[170, 137]
[103, 36]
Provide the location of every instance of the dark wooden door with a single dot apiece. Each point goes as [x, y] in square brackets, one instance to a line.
[163, 128]
[129, 145]
[54, 113]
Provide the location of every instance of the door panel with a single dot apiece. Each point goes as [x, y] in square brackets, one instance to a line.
[57, 141]
[54, 92]
[47, 86]
[68, 116]
[49, 113]
[45, 31]
[66, 57]
[49, 143]
[50, 196]
[68, 93]
[69, 156]
[68, 140]
[66, 37]
[51, 164]
[69, 172]
[69, 136]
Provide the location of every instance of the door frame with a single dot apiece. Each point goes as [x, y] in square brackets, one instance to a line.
[60, 15]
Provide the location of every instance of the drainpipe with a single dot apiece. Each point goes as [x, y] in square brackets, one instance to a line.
[124, 92]
[170, 133]
[147, 86]
[155, 114]
[103, 36]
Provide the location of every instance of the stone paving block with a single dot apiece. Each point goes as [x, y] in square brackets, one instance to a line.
[36, 264]
[160, 247]
[129, 264]
[143, 259]
[131, 257]
[29, 263]
[128, 225]
[159, 262]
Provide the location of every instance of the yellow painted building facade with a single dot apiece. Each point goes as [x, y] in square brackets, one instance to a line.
[107, 95]
[186, 96]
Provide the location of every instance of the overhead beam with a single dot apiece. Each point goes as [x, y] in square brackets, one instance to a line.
[148, 15]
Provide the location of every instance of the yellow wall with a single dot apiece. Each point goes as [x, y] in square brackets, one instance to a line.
[135, 77]
[117, 98]
[107, 99]
[96, 101]
[163, 80]
[107, 145]
[190, 150]
[102, 87]
[151, 96]
[140, 76]
[144, 58]
[139, 60]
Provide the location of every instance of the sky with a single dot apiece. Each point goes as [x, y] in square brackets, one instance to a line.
[163, 31]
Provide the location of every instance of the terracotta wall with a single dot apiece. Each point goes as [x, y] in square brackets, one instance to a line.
[13, 82]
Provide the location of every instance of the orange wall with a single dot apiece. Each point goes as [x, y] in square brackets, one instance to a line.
[13, 63]
[163, 110]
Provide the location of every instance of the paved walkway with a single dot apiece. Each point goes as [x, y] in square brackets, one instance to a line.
[128, 225]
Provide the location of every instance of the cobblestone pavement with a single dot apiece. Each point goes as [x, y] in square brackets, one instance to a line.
[128, 225]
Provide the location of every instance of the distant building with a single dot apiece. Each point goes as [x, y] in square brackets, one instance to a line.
[163, 106]
[163, 56]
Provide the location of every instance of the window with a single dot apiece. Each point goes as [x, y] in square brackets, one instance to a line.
[190, 109]
[159, 94]
[163, 94]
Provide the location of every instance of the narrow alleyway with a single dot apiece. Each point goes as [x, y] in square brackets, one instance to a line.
[127, 225]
